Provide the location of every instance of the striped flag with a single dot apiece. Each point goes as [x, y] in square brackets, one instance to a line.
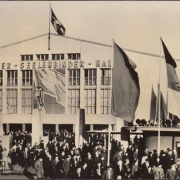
[125, 86]
[173, 83]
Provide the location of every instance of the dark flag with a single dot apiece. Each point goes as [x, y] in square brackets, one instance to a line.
[163, 108]
[125, 86]
[153, 105]
[59, 28]
[173, 83]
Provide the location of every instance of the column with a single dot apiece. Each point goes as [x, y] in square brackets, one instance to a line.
[4, 99]
[57, 127]
[36, 126]
[66, 90]
[19, 100]
[77, 129]
[91, 127]
[74, 126]
[98, 91]
[23, 127]
[7, 127]
[82, 88]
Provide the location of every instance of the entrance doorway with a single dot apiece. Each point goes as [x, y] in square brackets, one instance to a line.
[49, 127]
[178, 149]
[68, 127]
[15, 127]
[99, 127]
[28, 127]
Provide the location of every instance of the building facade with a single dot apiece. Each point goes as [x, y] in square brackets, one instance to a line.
[85, 68]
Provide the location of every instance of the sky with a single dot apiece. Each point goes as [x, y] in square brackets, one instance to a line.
[132, 25]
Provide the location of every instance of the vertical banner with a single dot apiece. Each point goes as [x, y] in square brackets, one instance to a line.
[50, 90]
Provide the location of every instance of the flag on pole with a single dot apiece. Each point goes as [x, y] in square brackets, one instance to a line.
[125, 86]
[158, 105]
[163, 109]
[173, 83]
[153, 105]
[59, 28]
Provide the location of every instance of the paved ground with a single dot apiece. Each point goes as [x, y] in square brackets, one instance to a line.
[13, 177]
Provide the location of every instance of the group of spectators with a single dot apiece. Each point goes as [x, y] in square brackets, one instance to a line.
[163, 123]
[60, 158]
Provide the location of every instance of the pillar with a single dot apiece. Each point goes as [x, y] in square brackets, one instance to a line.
[19, 97]
[23, 127]
[66, 90]
[4, 99]
[57, 127]
[82, 88]
[74, 128]
[98, 91]
[77, 129]
[36, 126]
[7, 127]
[91, 127]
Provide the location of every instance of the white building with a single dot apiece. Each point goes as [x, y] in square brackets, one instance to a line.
[87, 69]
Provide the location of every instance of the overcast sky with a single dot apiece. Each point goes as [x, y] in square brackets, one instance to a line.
[133, 25]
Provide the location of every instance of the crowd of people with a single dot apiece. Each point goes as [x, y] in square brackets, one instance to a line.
[60, 158]
[163, 123]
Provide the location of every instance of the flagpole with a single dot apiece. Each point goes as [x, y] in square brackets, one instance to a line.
[110, 117]
[159, 126]
[49, 27]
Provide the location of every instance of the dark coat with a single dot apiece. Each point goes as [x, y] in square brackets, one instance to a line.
[144, 171]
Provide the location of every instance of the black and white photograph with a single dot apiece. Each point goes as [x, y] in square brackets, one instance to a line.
[89, 90]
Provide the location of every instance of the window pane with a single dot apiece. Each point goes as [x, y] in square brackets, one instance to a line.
[27, 78]
[90, 77]
[73, 100]
[73, 77]
[26, 101]
[105, 101]
[11, 101]
[12, 78]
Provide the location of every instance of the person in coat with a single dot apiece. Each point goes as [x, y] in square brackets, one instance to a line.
[135, 170]
[172, 172]
[144, 169]
[108, 174]
[67, 166]
[13, 159]
[39, 168]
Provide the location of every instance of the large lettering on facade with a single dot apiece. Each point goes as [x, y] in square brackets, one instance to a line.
[76, 64]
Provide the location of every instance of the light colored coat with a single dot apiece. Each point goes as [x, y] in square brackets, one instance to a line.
[39, 169]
